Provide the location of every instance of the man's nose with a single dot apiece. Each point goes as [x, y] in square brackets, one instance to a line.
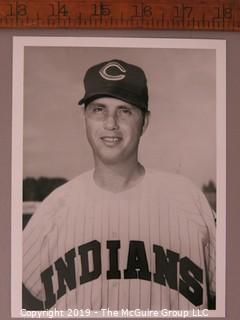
[111, 122]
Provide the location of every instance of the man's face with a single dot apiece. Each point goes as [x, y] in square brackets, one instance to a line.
[114, 128]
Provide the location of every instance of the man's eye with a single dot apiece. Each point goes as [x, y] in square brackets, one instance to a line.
[125, 111]
[98, 109]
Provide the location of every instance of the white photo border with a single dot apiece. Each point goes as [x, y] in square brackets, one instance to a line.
[19, 43]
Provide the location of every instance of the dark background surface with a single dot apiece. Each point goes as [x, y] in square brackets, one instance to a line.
[233, 152]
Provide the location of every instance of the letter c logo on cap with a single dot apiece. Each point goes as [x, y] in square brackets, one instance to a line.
[105, 75]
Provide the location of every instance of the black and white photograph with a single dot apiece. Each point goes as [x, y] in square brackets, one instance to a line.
[118, 177]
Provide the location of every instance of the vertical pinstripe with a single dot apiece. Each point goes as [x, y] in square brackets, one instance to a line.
[124, 236]
[185, 247]
[97, 234]
[134, 234]
[88, 236]
[154, 225]
[144, 235]
[80, 217]
[165, 243]
[105, 228]
[174, 241]
[113, 227]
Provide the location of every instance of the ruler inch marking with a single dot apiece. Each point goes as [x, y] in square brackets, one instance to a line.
[152, 22]
[163, 19]
[79, 19]
[215, 15]
[121, 19]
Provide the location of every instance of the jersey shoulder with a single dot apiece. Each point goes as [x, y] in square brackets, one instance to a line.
[58, 201]
[72, 187]
[172, 183]
[177, 190]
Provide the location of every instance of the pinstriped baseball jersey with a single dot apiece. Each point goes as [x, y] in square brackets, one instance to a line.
[150, 247]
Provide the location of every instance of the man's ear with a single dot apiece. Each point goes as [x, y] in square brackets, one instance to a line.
[146, 121]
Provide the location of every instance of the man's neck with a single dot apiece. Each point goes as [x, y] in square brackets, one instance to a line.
[117, 178]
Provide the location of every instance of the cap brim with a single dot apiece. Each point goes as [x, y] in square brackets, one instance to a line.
[126, 97]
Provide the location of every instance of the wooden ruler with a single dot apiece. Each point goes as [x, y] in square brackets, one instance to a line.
[218, 15]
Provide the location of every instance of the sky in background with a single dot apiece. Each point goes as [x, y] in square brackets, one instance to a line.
[182, 99]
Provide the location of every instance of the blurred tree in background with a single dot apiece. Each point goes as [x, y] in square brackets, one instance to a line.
[210, 192]
[30, 189]
[39, 189]
[210, 187]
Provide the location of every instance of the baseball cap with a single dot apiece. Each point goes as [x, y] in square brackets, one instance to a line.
[117, 79]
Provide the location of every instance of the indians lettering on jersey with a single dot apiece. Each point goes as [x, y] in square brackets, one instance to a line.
[188, 282]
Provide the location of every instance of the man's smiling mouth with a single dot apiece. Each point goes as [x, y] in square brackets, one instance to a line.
[111, 140]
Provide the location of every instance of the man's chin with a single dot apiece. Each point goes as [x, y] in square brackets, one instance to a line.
[111, 159]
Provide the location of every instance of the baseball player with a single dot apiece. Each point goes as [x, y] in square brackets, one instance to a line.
[120, 235]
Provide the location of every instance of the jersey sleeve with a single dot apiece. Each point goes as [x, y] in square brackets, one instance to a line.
[34, 244]
[210, 219]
